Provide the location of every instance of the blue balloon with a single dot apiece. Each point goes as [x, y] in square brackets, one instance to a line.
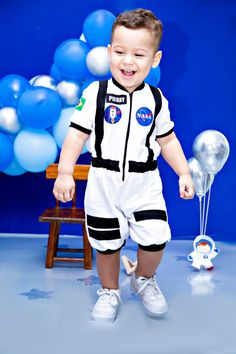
[35, 149]
[97, 28]
[154, 76]
[87, 81]
[11, 89]
[39, 107]
[14, 169]
[56, 74]
[70, 59]
[6, 151]
[61, 127]
[91, 78]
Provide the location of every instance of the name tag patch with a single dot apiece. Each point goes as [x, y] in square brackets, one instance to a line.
[116, 99]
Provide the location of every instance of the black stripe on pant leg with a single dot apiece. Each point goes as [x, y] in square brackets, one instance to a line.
[112, 251]
[104, 235]
[150, 214]
[102, 223]
[153, 248]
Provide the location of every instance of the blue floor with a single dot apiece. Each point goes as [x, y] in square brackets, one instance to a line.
[47, 311]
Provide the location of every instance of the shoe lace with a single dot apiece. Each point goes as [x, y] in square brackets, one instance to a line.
[151, 288]
[108, 296]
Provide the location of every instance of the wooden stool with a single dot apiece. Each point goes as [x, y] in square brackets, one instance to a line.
[58, 215]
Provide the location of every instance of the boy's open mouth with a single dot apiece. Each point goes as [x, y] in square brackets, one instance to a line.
[127, 72]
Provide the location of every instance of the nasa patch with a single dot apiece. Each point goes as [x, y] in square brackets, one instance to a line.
[112, 114]
[144, 116]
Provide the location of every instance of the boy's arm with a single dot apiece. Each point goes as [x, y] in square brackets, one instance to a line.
[172, 152]
[73, 144]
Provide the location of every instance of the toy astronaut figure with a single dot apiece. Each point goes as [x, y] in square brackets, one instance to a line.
[204, 251]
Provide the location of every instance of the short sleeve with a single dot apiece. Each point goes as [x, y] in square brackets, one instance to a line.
[164, 124]
[84, 114]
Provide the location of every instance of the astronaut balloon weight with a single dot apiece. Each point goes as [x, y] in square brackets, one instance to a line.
[204, 251]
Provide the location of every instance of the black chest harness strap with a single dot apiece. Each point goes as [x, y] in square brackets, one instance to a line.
[113, 165]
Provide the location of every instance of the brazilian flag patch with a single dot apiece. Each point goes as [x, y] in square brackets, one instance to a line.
[80, 105]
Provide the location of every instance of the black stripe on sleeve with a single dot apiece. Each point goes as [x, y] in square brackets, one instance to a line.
[166, 134]
[102, 223]
[78, 127]
[150, 214]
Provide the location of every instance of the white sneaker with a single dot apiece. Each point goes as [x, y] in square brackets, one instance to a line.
[107, 305]
[152, 298]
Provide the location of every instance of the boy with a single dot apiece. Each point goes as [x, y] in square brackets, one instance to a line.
[127, 124]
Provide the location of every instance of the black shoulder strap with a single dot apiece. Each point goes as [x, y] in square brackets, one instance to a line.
[157, 97]
[99, 121]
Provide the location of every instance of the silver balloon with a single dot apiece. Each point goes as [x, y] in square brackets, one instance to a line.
[211, 149]
[97, 61]
[201, 179]
[9, 120]
[44, 81]
[69, 92]
[31, 81]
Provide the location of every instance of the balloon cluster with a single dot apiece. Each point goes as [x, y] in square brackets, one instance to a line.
[35, 114]
[211, 151]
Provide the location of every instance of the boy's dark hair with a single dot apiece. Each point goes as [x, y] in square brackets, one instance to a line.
[140, 18]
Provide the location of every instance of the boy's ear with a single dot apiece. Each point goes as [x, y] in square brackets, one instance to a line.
[157, 59]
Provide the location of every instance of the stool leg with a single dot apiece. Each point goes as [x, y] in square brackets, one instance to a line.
[57, 233]
[52, 243]
[87, 250]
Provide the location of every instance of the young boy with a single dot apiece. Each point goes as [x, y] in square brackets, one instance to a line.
[127, 124]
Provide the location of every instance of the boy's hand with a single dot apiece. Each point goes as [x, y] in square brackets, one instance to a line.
[186, 187]
[64, 188]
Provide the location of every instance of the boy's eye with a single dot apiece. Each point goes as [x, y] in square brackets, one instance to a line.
[139, 55]
[118, 52]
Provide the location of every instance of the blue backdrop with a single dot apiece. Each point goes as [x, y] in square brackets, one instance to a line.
[198, 78]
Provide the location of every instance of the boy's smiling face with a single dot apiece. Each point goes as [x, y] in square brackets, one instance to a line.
[131, 56]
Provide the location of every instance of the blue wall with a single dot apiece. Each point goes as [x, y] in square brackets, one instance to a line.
[198, 78]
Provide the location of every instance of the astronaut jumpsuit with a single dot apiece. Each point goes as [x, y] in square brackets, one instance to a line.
[124, 191]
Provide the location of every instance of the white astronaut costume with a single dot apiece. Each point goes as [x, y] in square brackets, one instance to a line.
[124, 190]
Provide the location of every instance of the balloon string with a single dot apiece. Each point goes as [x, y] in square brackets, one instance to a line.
[200, 210]
[204, 205]
[208, 203]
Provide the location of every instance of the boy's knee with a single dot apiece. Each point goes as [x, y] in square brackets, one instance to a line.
[152, 248]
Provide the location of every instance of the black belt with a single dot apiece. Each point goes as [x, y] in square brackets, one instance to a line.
[110, 165]
[142, 167]
[134, 166]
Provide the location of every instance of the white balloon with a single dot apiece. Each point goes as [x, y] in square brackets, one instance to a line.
[32, 80]
[9, 120]
[97, 61]
[69, 92]
[211, 149]
[44, 81]
[201, 179]
[82, 38]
